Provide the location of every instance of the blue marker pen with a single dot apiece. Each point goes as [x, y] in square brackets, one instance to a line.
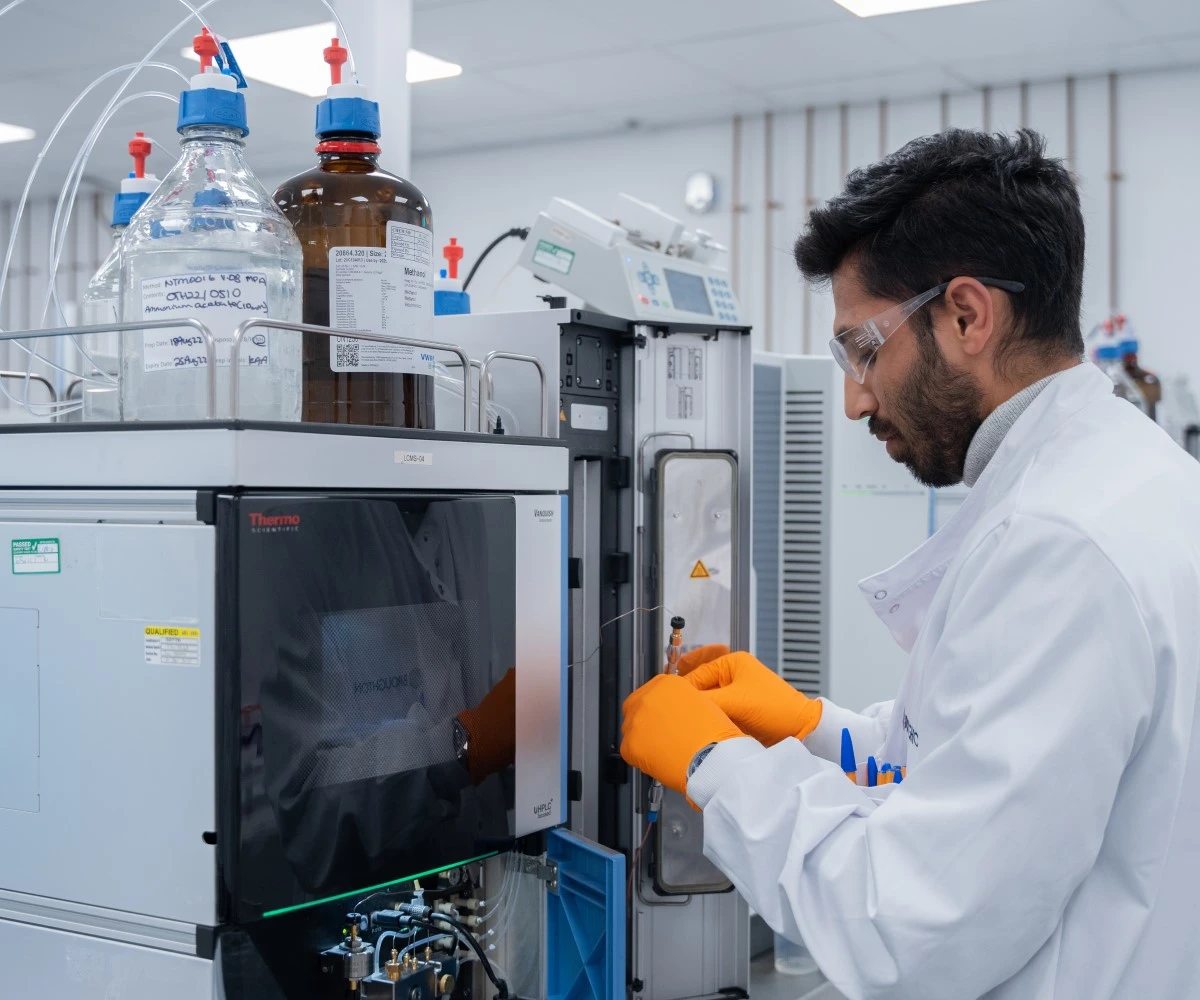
[849, 764]
[872, 773]
[897, 776]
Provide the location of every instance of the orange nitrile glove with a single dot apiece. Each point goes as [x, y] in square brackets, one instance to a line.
[698, 657]
[754, 697]
[491, 729]
[667, 722]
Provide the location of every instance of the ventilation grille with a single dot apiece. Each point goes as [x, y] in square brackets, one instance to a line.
[768, 471]
[804, 535]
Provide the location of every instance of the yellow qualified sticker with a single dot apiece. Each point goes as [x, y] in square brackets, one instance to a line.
[171, 646]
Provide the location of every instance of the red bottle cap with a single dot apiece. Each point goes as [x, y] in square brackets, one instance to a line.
[205, 46]
[335, 55]
[139, 149]
[453, 254]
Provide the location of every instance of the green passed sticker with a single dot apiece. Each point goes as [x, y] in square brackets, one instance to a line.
[553, 256]
[35, 555]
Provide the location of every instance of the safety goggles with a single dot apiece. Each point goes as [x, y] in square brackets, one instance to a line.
[853, 349]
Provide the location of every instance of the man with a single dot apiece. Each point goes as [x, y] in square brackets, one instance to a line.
[1045, 839]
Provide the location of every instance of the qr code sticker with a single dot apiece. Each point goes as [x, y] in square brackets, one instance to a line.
[347, 353]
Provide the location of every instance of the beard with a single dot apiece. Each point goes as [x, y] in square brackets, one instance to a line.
[934, 416]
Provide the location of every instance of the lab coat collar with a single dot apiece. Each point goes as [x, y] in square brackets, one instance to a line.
[901, 595]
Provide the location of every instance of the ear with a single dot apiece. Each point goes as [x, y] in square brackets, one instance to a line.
[968, 319]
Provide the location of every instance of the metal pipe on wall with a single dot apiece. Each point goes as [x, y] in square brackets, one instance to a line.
[883, 117]
[1024, 104]
[1114, 180]
[1071, 138]
[768, 337]
[987, 109]
[945, 110]
[735, 205]
[809, 116]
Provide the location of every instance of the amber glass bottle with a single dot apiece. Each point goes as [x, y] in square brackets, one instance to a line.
[367, 237]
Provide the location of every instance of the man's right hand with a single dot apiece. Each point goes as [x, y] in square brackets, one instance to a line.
[756, 699]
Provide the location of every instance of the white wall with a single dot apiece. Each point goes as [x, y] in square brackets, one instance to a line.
[477, 195]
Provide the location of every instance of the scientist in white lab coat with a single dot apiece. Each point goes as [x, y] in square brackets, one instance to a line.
[1045, 840]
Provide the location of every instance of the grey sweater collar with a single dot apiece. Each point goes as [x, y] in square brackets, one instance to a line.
[986, 441]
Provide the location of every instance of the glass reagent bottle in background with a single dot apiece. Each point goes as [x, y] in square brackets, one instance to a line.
[101, 302]
[367, 237]
[210, 244]
[1108, 357]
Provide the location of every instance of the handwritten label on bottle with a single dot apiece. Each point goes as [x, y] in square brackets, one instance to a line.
[221, 300]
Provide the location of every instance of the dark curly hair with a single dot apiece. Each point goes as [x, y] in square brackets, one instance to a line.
[963, 203]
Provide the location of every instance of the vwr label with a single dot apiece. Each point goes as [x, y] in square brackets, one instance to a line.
[221, 300]
[386, 290]
[170, 646]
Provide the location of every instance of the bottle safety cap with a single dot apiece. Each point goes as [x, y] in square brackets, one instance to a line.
[1128, 346]
[347, 108]
[213, 97]
[138, 186]
[1107, 352]
[453, 254]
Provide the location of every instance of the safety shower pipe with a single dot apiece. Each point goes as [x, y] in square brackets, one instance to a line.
[735, 205]
[768, 337]
[809, 159]
[1114, 180]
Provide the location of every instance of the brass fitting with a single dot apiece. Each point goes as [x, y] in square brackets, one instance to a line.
[392, 968]
[445, 985]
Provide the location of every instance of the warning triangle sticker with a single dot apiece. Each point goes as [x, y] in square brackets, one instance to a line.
[700, 571]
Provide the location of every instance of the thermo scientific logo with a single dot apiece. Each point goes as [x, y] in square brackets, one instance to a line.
[273, 524]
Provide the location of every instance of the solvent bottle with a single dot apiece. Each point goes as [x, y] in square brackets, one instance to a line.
[367, 237]
[101, 301]
[210, 244]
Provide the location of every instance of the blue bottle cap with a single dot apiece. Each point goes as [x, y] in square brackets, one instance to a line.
[342, 115]
[126, 205]
[1128, 346]
[1108, 352]
[211, 198]
[212, 106]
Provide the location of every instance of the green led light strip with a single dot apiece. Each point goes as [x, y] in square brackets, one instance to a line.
[376, 888]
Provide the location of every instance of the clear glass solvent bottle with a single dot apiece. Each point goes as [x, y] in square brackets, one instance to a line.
[210, 244]
[367, 237]
[101, 300]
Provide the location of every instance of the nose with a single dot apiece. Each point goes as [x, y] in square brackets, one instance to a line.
[860, 401]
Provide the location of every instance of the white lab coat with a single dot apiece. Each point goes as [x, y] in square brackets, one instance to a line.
[1046, 841]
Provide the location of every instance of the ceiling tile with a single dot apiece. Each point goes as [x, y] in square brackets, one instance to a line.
[1162, 18]
[663, 22]
[617, 80]
[476, 97]
[485, 34]
[771, 60]
[1018, 66]
[892, 86]
[507, 133]
[1006, 27]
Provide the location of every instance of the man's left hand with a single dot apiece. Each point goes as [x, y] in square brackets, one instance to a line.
[667, 722]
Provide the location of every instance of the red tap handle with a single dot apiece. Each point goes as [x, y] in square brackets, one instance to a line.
[453, 254]
[335, 55]
[205, 46]
[139, 149]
